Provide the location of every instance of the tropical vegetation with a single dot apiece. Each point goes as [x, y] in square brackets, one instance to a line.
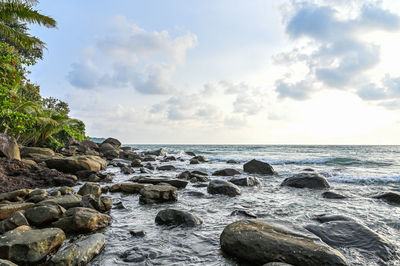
[24, 113]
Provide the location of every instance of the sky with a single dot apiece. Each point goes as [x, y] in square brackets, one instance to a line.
[226, 71]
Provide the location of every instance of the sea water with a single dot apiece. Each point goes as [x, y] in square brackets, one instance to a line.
[358, 172]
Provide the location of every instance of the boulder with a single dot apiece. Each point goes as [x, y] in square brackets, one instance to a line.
[7, 263]
[389, 197]
[126, 170]
[332, 195]
[232, 162]
[190, 153]
[226, 172]
[66, 190]
[37, 195]
[149, 159]
[306, 180]
[102, 204]
[136, 163]
[159, 152]
[257, 243]
[249, 181]
[258, 167]
[44, 214]
[8, 209]
[74, 164]
[9, 147]
[340, 231]
[67, 201]
[194, 161]
[158, 194]
[13, 221]
[129, 155]
[114, 142]
[29, 247]
[90, 188]
[14, 195]
[79, 252]
[166, 168]
[200, 159]
[173, 182]
[243, 213]
[176, 217]
[82, 220]
[27, 151]
[127, 188]
[109, 151]
[223, 187]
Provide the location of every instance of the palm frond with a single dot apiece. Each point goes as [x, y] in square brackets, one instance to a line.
[23, 40]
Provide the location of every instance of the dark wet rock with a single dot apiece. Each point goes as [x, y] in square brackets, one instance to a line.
[194, 161]
[158, 194]
[30, 152]
[67, 201]
[249, 181]
[137, 233]
[44, 214]
[195, 194]
[84, 174]
[169, 158]
[102, 204]
[30, 246]
[177, 217]
[119, 205]
[306, 180]
[308, 170]
[323, 218]
[200, 158]
[197, 172]
[16, 175]
[145, 171]
[7, 210]
[243, 213]
[12, 222]
[126, 148]
[341, 231]
[139, 254]
[114, 142]
[173, 182]
[37, 195]
[232, 162]
[258, 167]
[198, 178]
[74, 164]
[149, 166]
[7, 263]
[332, 195]
[79, 252]
[226, 172]
[149, 159]
[14, 195]
[131, 188]
[55, 194]
[9, 147]
[136, 163]
[126, 170]
[389, 197]
[184, 175]
[201, 185]
[129, 155]
[223, 187]
[257, 243]
[190, 153]
[90, 188]
[159, 152]
[166, 168]
[66, 190]
[82, 220]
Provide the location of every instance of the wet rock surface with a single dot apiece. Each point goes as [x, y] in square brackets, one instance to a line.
[258, 243]
[158, 194]
[249, 181]
[258, 167]
[223, 187]
[307, 180]
[177, 217]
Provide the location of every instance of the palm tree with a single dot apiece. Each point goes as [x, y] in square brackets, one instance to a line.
[20, 11]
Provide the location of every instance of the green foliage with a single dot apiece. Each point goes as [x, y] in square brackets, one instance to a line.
[24, 114]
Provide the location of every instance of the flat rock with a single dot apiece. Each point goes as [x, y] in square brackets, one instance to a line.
[82, 220]
[257, 243]
[226, 172]
[102, 204]
[306, 180]
[30, 246]
[332, 195]
[80, 252]
[249, 181]
[90, 188]
[243, 213]
[223, 187]
[67, 201]
[27, 151]
[389, 197]
[13, 195]
[166, 168]
[258, 167]
[177, 217]
[13, 221]
[341, 231]
[173, 182]
[8, 209]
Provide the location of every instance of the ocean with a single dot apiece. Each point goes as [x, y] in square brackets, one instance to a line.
[358, 172]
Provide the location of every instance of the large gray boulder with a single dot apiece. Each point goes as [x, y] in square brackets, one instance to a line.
[223, 187]
[109, 151]
[67, 201]
[258, 167]
[159, 152]
[7, 210]
[79, 252]
[389, 197]
[114, 142]
[249, 181]
[27, 151]
[226, 172]
[158, 194]
[90, 188]
[74, 164]
[257, 243]
[102, 204]
[340, 231]
[82, 220]
[9, 147]
[28, 247]
[12, 222]
[44, 214]
[306, 180]
[176, 217]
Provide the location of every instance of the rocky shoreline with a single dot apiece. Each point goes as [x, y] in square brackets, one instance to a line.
[44, 221]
